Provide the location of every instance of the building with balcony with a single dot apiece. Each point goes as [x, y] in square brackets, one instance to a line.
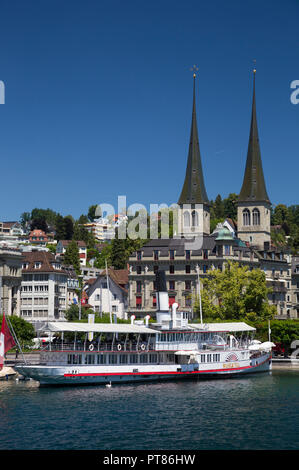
[44, 288]
[10, 280]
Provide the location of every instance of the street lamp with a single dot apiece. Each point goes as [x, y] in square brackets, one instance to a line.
[199, 293]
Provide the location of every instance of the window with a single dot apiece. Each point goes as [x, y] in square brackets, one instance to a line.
[156, 255]
[112, 359]
[171, 269]
[123, 359]
[101, 358]
[188, 268]
[154, 301]
[226, 250]
[246, 217]
[138, 302]
[139, 255]
[138, 286]
[203, 358]
[186, 219]
[134, 359]
[171, 254]
[194, 219]
[255, 217]
[138, 269]
[171, 285]
[187, 254]
[187, 285]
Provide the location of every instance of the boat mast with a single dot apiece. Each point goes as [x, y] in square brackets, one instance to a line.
[107, 277]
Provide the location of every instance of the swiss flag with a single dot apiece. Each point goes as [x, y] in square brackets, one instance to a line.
[6, 340]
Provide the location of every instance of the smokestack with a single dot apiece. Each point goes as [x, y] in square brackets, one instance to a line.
[174, 307]
[162, 294]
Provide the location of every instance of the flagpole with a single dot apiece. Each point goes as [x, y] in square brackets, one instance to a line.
[108, 289]
[15, 338]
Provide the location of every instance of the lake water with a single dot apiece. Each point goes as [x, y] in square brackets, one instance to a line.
[256, 412]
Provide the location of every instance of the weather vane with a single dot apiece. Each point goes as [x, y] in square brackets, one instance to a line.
[194, 69]
[254, 65]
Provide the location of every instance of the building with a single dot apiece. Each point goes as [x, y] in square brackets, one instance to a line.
[11, 230]
[44, 288]
[247, 241]
[62, 246]
[103, 229]
[105, 295]
[295, 287]
[38, 237]
[254, 206]
[10, 280]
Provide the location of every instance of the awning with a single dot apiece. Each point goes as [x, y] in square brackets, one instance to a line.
[224, 327]
[98, 328]
[186, 353]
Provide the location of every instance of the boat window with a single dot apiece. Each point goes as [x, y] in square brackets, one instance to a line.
[89, 359]
[134, 359]
[216, 357]
[143, 358]
[112, 359]
[101, 358]
[153, 358]
[74, 359]
[203, 358]
[209, 357]
[123, 359]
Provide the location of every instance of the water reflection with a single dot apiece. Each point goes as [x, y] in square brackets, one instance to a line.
[247, 413]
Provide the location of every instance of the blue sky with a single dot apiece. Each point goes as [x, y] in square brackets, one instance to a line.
[98, 99]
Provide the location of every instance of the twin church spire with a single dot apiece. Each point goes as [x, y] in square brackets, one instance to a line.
[253, 196]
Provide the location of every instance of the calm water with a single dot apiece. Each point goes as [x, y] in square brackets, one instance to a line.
[258, 412]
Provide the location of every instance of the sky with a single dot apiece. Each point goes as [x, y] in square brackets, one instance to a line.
[98, 99]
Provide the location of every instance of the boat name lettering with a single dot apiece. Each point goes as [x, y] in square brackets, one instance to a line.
[230, 365]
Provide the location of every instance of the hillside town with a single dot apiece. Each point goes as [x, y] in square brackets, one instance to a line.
[42, 275]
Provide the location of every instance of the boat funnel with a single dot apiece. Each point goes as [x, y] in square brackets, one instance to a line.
[163, 314]
[174, 309]
[132, 319]
[147, 319]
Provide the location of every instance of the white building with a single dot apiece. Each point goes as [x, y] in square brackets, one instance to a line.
[44, 288]
[103, 298]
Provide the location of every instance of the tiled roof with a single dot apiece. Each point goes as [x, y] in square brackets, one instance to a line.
[80, 243]
[45, 258]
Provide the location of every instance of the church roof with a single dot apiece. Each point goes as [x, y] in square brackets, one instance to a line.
[254, 187]
[194, 191]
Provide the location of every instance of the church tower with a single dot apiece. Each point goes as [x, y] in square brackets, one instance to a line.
[194, 209]
[254, 206]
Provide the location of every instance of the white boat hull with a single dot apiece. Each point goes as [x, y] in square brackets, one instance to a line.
[101, 375]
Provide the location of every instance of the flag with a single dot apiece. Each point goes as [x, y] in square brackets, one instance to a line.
[6, 340]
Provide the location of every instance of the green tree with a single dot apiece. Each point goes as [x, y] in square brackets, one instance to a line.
[230, 206]
[71, 256]
[235, 293]
[23, 330]
[118, 253]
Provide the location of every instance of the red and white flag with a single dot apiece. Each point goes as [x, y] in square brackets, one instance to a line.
[6, 340]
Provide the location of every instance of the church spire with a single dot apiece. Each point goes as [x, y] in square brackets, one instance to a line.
[254, 187]
[194, 191]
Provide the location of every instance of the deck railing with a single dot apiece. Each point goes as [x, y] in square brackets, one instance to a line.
[97, 347]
